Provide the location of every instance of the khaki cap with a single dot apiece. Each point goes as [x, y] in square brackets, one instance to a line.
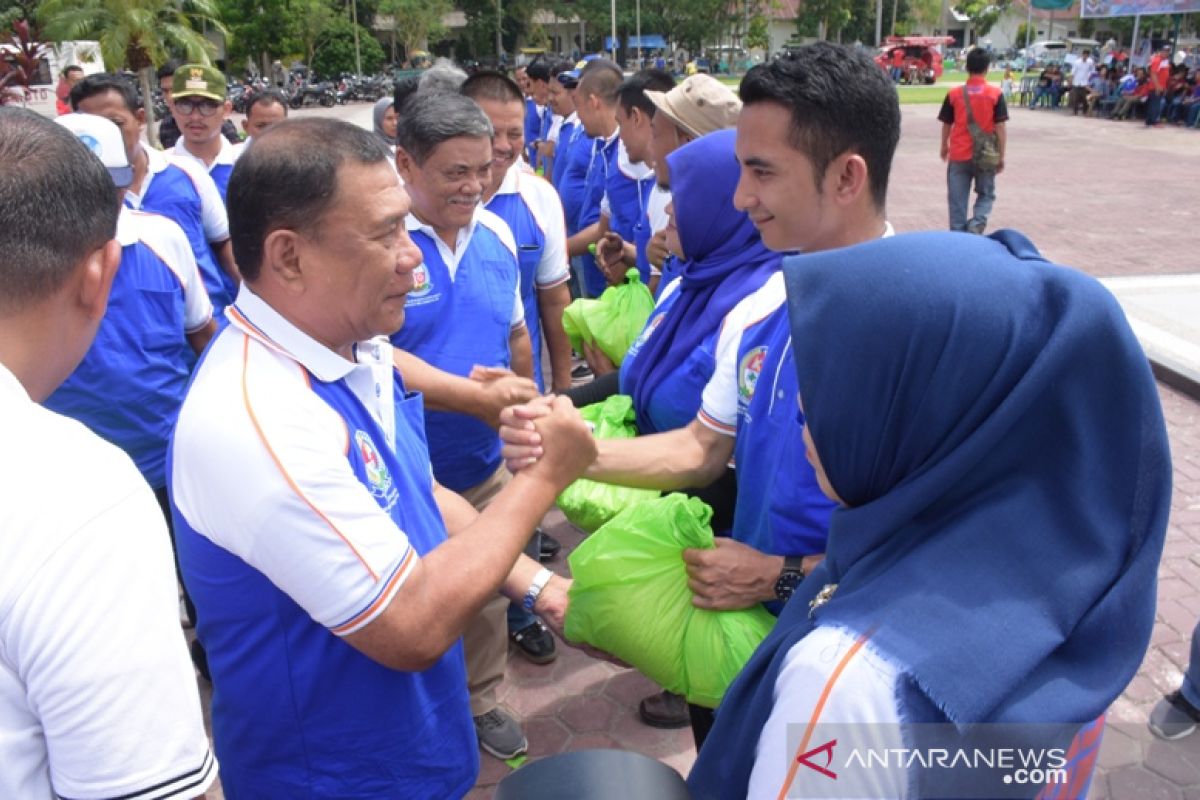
[700, 104]
[199, 80]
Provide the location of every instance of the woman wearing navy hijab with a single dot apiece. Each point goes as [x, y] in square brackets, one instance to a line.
[992, 431]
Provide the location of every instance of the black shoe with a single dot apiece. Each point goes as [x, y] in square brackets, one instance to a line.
[664, 710]
[581, 372]
[535, 642]
[548, 546]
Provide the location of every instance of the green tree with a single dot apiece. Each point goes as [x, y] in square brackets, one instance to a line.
[312, 22]
[984, 14]
[135, 34]
[335, 51]
[415, 23]
[259, 29]
[759, 33]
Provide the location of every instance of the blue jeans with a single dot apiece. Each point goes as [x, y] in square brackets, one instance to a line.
[959, 177]
[1154, 107]
[1191, 678]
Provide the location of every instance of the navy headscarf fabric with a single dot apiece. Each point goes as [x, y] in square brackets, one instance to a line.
[993, 426]
[726, 260]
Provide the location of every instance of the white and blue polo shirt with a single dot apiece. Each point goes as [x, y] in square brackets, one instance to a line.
[752, 395]
[626, 204]
[129, 386]
[464, 307]
[303, 499]
[533, 212]
[602, 162]
[222, 165]
[181, 191]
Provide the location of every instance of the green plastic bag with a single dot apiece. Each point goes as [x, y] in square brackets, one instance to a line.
[613, 321]
[588, 504]
[630, 598]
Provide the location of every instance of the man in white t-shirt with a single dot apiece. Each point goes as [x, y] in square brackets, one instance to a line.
[1081, 76]
[97, 698]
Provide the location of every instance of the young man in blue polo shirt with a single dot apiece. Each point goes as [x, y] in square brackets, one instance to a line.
[799, 200]
[178, 189]
[200, 106]
[466, 320]
[333, 574]
[595, 103]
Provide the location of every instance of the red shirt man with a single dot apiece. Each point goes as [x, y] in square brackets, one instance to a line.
[987, 102]
[62, 93]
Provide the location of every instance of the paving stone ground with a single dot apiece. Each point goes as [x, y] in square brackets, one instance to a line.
[1109, 198]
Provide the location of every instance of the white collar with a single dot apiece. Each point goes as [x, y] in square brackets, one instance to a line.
[638, 170]
[227, 155]
[10, 387]
[156, 160]
[126, 227]
[571, 120]
[511, 180]
[461, 240]
[256, 318]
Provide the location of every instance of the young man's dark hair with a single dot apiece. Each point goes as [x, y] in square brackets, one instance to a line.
[49, 184]
[489, 85]
[72, 68]
[839, 100]
[539, 70]
[267, 97]
[632, 92]
[978, 60]
[103, 82]
[288, 180]
[601, 78]
[168, 69]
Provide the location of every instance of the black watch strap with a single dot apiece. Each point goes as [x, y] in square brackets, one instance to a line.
[789, 577]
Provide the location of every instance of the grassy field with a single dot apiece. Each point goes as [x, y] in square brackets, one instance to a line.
[919, 95]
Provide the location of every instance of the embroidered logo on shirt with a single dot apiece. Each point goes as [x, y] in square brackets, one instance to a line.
[421, 283]
[645, 334]
[749, 369]
[379, 480]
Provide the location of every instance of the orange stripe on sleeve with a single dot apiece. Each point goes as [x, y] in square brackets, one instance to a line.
[279, 464]
[816, 715]
[380, 601]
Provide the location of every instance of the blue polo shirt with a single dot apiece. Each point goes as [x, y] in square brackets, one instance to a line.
[130, 384]
[603, 161]
[752, 395]
[222, 166]
[532, 211]
[626, 195]
[461, 314]
[303, 502]
[187, 195]
[533, 127]
[566, 137]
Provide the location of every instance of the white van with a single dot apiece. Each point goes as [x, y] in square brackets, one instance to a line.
[57, 57]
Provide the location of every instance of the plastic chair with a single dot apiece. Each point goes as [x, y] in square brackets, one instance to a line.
[594, 775]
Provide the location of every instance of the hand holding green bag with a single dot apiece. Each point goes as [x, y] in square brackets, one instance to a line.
[613, 321]
[630, 598]
[588, 504]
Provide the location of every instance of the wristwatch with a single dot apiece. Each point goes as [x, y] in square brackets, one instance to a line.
[789, 577]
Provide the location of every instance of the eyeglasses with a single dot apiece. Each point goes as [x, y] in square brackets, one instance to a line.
[206, 107]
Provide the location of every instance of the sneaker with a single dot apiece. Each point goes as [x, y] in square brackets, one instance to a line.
[1174, 717]
[581, 372]
[664, 710]
[976, 227]
[548, 546]
[535, 642]
[500, 734]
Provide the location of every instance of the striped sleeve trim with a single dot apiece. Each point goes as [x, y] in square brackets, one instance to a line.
[184, 785]
[709, 421]
[382, 598]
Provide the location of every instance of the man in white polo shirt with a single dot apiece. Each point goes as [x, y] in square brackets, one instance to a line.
[97, 698]
[311, 533]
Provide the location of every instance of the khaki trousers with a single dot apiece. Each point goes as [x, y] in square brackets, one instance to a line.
[485, 641]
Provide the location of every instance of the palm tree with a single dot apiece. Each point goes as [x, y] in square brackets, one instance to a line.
[135, 34]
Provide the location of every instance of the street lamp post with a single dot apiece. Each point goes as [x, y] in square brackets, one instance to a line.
[357, 51]
[612, 10]
[499, 31]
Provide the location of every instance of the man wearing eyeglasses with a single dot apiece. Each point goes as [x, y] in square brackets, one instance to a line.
[200, 108]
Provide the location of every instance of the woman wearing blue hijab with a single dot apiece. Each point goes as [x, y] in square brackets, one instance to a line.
[992, 431]
[724, 260]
